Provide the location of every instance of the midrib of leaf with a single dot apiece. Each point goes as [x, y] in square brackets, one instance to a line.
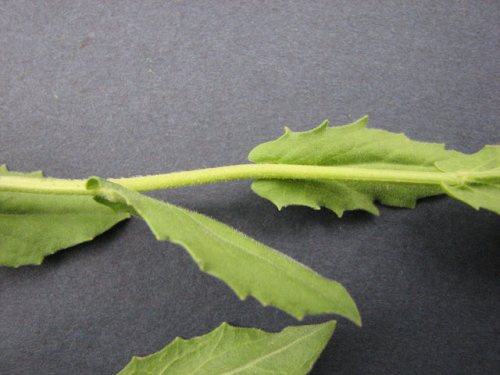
[272, 264]
[211, 354]
[212, 357]
[273, 353]
[179, 358]
[187, 353]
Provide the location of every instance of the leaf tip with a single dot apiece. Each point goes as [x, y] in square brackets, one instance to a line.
[359, 321]
[355, 316]
[331, 324]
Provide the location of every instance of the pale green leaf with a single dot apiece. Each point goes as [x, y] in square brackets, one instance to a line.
[356, 147]
[229, 350]
[247, 266]
[479, 192]
[34, 225]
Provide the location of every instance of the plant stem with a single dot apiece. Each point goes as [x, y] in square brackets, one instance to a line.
[278, 171]
[240, 172]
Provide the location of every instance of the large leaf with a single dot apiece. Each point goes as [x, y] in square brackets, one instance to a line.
[34, 225]
[247, 266]
[479, 192]
[358, 148]
[229, 350]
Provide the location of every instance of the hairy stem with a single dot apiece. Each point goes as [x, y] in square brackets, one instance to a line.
[240, 172]
[279, 171]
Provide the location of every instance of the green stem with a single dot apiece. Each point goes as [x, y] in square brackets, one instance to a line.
[240, 172]
[279, 171]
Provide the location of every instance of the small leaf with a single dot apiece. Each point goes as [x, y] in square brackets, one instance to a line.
[229, 350]
[481, 192]
[247, 266]
[350, 145]
[34, 225]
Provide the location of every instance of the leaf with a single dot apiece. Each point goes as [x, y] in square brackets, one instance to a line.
[352, 146]
[34, 225]
[481, 192]
[229, 350]
[247, 266]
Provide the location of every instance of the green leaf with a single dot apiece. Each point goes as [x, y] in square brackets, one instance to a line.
[477, 192]
[358, 148]
[247, 266]
[229, 350]
[34, 225]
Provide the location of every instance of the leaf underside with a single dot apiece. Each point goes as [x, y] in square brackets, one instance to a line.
[229, 350]
[247, 266]
[355, 145]
[478, 194]
[33, 226]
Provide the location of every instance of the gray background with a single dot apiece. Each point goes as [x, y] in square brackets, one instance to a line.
[124, 88]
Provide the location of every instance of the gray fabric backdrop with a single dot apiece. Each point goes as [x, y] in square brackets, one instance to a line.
[122, 88]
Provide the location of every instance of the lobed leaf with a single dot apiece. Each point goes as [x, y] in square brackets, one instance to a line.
[35, 225]
[229, 350]
[356, 146]
[247, 266]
